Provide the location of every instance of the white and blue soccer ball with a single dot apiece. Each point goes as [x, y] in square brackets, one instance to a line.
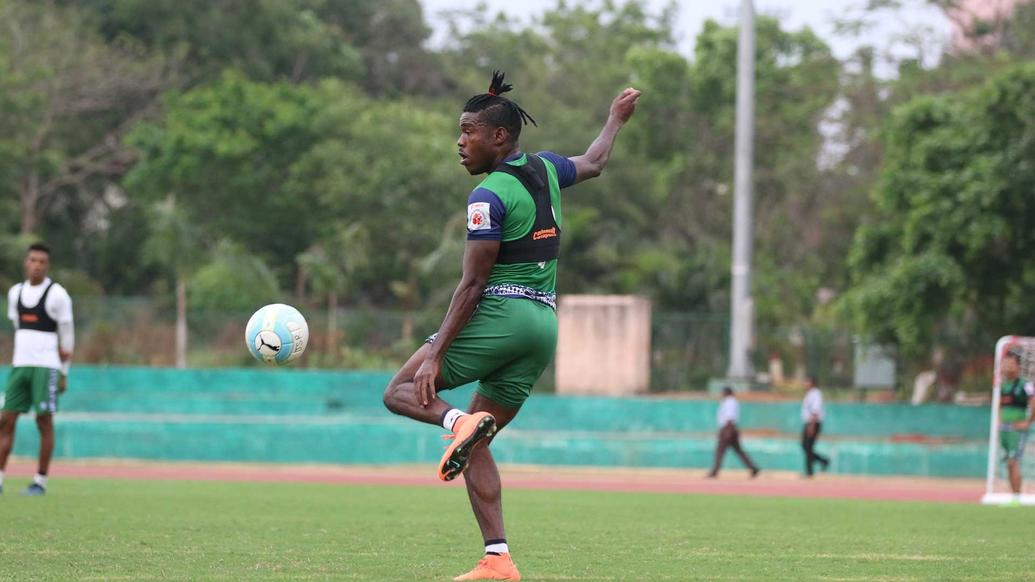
[276, 334]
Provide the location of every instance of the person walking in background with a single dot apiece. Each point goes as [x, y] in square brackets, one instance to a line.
[41, 312]
[812, 414]
[729, 435]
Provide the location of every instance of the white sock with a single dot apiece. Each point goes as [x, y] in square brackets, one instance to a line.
[40, 480]
[450, 418]
[497, 548]
[1, 478]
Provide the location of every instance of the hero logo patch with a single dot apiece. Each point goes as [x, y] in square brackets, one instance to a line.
[478, 216]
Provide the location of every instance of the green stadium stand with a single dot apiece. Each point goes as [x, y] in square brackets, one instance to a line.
[303, 416]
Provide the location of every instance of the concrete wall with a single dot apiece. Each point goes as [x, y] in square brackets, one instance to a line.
[603, 345]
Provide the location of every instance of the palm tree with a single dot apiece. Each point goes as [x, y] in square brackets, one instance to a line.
[331, 273]
[176, 243]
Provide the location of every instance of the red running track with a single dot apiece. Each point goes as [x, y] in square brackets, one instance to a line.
[526, 477]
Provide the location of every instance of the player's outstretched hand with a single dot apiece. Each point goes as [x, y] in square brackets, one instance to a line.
[624, 104]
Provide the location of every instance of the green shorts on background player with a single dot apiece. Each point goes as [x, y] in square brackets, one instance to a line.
[501, 326]
[1015, 416]
[41, 312]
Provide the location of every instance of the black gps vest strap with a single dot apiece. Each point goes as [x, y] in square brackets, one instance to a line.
[1013, 394]
[36, 318]
[543, 241]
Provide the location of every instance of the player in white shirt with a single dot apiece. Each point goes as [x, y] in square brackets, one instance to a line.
[729, 435]
[41, 311]
[812, 415]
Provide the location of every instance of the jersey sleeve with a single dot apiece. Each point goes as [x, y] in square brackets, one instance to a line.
[59, 307]
[1029, 388]
[565, 168]
[12, 305]
[485, 213]
[59, 304]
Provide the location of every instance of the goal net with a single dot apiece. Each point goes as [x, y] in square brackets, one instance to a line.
[997, 487]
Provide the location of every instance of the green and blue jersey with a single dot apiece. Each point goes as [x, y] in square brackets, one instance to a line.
[500, 208]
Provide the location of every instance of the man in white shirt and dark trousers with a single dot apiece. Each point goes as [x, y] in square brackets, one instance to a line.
[41, 311]
[729, 436]
[812, 415]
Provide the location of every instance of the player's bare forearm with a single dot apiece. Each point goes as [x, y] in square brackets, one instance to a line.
[591, 164]
[479, 257]
[465, 299]
[1021, 425]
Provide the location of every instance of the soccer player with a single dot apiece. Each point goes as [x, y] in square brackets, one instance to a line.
[1015, 394]
[728, 417]
[501, 326]
[41, 311]
[812, 415]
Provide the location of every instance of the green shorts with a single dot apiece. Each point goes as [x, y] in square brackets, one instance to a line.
[1012, 440]
[505, 346]
[31, 388]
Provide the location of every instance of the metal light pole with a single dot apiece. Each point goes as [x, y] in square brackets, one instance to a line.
[742, 306]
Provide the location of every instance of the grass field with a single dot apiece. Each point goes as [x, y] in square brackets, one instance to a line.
[112, 530]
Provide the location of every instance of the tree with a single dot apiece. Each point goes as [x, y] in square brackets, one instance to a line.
[331, 265]
[226, 151]
[67, 99]
[392, 167]
[660, 223]
[267, 40]
[945, 257]
[390, 36]
[233, 280]
[177, 244]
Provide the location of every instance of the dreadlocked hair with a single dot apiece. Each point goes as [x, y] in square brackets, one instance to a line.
[497, 110]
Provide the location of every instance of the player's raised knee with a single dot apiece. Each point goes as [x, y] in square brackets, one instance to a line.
[391, 397]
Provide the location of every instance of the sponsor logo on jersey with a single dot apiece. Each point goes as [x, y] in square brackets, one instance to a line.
[545, 233]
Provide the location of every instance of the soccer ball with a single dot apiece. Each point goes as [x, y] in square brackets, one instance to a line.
[276, 334]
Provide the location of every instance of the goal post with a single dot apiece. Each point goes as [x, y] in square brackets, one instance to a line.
[997, 484]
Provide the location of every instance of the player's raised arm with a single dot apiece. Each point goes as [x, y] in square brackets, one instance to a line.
[591, 164]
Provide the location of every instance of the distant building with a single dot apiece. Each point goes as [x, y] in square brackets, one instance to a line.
[978, 24]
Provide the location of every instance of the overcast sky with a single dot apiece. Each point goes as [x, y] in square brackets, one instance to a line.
[793, 14]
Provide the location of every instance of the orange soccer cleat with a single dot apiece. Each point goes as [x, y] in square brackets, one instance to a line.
[468, 431]
[493, 567]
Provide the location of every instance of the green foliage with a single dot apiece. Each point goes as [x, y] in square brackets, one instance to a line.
[225, 151]
[387, 178]
[316, 137]
[234, 280]
[267, 39]
[67, 96]
[12, 256]
[955, 218]
[903, 304]
[174, 241]
[390, 36]
[1019, 32]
